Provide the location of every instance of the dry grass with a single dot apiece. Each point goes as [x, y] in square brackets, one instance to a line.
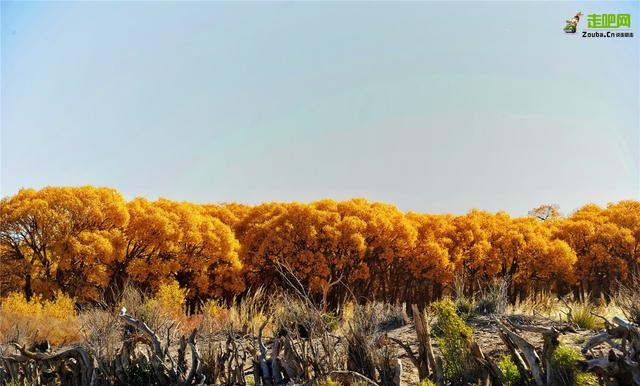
[586, 313]
[25, 322]
[248, 314]
[101, 332]
[358, 335]
[164, 312]
[628, 299]
[543, 304]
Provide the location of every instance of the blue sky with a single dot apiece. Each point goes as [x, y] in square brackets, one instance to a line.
[432, 106]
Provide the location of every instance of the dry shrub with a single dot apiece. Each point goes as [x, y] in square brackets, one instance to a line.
[243, 315]
[628, 298]
[166, 307]
[215, 326]
[369, 350]
[347, 313]
[102, 336]
[311, 331]
[583, 310]
[542, 304]
[494, 298]
[163, 313]
[382, 316]
[213, 317]
[391, 316]
[23, 321]
[222, 331]
[291, 311]
[101, 331]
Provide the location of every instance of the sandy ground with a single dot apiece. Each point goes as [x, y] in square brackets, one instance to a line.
[486, 335]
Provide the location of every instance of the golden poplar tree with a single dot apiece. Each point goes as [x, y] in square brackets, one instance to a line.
[63, 238]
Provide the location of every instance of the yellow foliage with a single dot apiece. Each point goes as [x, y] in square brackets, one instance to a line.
[83, 240]
[63, 238]
[15, 303]
[27, 321]
[348, 312]
[213, 309]
[61, 308]
[180, 239]
[171, 299]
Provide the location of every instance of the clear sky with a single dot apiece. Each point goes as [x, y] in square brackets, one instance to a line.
[432, 106]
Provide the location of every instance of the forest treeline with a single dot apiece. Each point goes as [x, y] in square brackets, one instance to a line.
[89, 242]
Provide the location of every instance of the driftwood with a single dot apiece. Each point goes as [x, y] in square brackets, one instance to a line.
[528, 351]
[621, 366]
[541, 370]
[425, 357]
[351, 377]
[491, 373]
[263, 372]
[191, 343]
[167, 371]
[291, 358]
[158, 354]
[76, 364]
[517, 359]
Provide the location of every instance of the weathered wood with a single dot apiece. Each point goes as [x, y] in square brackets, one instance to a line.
[291, 360]
[437, 367]
[530, 354]
[426, 358]
[193, 368]
[412, 356]
[594, 341]
[157, 354]
[521, 365]
[275, 362]
[265, 370]
[397, 375]
[351, 377]
[491, 372]
[87, 364]
[550, 343]
[423, 346]
[616, 368]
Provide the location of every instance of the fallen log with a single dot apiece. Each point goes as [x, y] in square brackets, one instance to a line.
[351, 377]
[157, 356]
[85, 372]
[529, 352]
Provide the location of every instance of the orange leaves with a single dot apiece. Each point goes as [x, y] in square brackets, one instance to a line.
[85, 239]
[605, 242]
[80, 239]
[431, 259]
[324, 241]
[60, 235]
[296, 235]
[183, 241]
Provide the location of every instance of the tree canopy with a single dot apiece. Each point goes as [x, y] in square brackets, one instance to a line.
[87, 241]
